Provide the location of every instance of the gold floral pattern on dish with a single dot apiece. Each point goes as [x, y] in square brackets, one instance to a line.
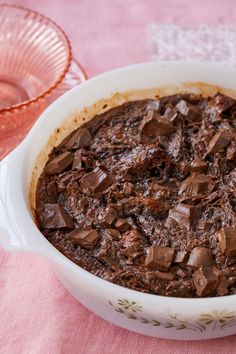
[213, 320]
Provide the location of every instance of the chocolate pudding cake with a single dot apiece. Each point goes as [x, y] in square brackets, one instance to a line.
[144, 196]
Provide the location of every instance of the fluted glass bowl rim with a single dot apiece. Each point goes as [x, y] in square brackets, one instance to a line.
[27, 103]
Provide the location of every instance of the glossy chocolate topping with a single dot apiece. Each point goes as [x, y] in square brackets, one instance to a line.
[144, 195]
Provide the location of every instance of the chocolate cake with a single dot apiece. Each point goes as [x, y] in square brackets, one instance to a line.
[143, 196]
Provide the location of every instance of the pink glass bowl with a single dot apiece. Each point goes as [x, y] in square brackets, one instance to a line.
[35, 68]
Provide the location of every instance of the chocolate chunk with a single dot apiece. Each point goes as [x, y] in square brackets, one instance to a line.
[84, 203]
[153, 105]
[204, 225]
[180, 257]
[115, 234]
[107, 217]
[198, 165]
[231, 153]
[132, 243]
[182, 107]
[81, 138]
[184, 214]
[84, 238]
[171, 114]
[153, 125]
[95, 181]
[227, 239]
[200, 256]
[188, 110]
[222, 102]
[159, 257]
[205, 281]
[195, 184]
[77, 162]
[122, 225]
[219, 141]
[164, 276]
[54, 216]
[108, 253]
[59, 164]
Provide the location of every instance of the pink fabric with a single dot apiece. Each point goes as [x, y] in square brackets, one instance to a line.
[37, 315]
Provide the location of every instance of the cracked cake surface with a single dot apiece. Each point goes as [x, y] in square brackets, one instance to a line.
[143, 195]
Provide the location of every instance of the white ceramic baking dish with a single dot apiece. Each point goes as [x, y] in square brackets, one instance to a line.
[174, 318]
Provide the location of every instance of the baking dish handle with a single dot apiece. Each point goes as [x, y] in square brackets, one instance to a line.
[17, 232]
[10, 239]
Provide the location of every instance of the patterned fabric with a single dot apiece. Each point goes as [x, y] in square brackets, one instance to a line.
[192, 43]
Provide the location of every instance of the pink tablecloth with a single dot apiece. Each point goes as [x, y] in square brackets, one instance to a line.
[37, 315]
